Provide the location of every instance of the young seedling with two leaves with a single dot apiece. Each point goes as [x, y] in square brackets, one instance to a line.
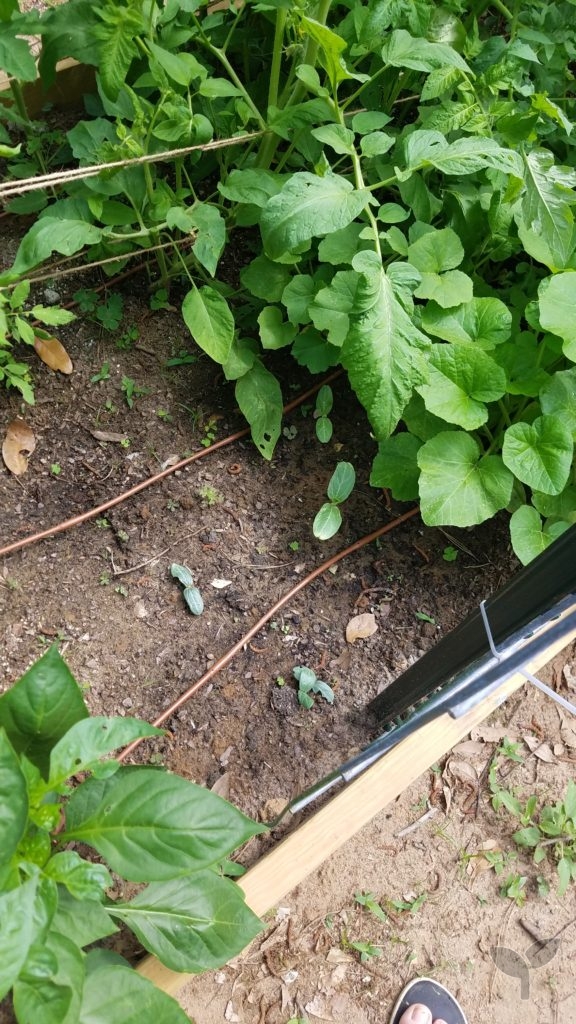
[328, 519]
[191, 594]
[309, 685]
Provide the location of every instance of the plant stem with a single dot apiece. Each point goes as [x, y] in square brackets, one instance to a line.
[276, 63]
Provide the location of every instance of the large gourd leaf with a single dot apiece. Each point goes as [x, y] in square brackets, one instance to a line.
[540, 453]
[557, 306]
[308, 207]
[461, 379]
[458, 485]
[191, 924]
[152, 826]
[545, 219]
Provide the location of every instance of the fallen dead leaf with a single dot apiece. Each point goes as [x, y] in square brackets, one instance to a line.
[470, 748]
[18, 444]
[222, 786]
[463, 772]
[360, 627]
[108, 435]
[540, 750]
[569, 673]
[477, 863]
[52, 352]
[220, 584]
[494, 733]
[568, 732]
[230, 1014]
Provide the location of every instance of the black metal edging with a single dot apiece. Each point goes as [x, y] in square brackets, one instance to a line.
[531, 594]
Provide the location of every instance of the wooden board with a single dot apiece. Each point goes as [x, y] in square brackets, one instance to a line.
[72, 82]
[306, 849]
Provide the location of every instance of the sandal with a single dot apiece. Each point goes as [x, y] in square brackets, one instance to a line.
[441, 1003]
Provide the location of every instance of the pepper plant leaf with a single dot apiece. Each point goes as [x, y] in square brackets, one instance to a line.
[89, 740]
[13, 800]
[119, 995]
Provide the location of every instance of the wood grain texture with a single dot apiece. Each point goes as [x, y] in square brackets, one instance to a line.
[288, 864]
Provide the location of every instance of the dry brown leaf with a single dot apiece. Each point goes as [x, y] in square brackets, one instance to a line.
[463, 772]
[568, 732]
[470, 748]
[540, 750]
[360, 627]
[477, 863]
[494, 733]
[52, 352]
[18, 444]
[222, 786]
[108, 435]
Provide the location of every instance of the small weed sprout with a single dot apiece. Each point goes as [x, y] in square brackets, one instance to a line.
[324, 403]
[209, 495]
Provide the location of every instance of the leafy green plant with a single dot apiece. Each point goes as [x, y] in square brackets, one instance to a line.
[72, 815]
[450, 554]
[105, 310]
[328, 519]
[410, 173]
[412, 905]
[18, 324]
[368, 900]
[209, 495]
[132, 390]
[324, 403]
[549, 830]
[368, 951]
[190, 593]
[102, 374]
[309, 685]
[513, 888]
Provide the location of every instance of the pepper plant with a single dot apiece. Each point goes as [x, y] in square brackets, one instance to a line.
[74, 826]
[402, 187]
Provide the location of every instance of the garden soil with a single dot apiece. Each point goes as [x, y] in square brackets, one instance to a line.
[103, 592]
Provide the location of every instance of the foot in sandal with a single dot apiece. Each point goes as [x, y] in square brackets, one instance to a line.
[424, 1001]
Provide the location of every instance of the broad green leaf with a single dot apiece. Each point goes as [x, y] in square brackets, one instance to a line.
[558, 398]
[16, 931]
[324, 429]
[213, 88]
[13, 800]
[211, 235]
[210, 322]
[152, 826]
[529, 836]
[529, 537]
[420, 421]
[51, 234]
[393, 213]
[402, 50]
[254, 186]
[485, 321]
[191, 924]
[266, 280]
[565, 868]
[309, 75]
[83, 879]
[118, 995]
[308, 207]
[539, 453]
[436, 251]
[274, 332]
[570, 800]
[442, 80]
[86, 920]
[331, 307]
[324, 400]
[341, 482]
[369, 121]
[467, 155]
[327, 522]
[557, 305]
[297, 296]
[446, 290]
[376, 144]
[461, 378]
[559, 506]
[313, 351]
[52, 999]
[40, 708]
[182, 68]
[545, 219]
[260, 400]
[382, 353]
[341, 139]
[16, 59]
[544, 105]
[89, 740]
[332, 47]
[458, 485]
[340, 246]
[395, 467]
[243, 355]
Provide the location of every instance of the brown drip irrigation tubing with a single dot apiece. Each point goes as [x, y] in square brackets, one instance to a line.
[17, 545]
[237, 647]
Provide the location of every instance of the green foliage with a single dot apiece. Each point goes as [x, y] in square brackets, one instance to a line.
[308, 685]
[18, 324]
[190, 593]
[59, 786]
[547, 829]
[328, 519]
[410, 201]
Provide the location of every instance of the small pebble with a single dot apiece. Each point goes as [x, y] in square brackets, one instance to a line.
[51, 297]
[127, 702]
